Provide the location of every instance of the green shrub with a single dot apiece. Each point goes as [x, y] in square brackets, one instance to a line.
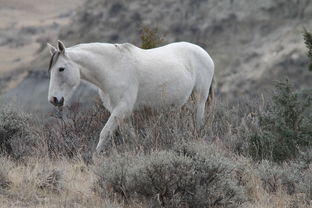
[192, 176]
[285, 126]
[308, 42]
[150, 38]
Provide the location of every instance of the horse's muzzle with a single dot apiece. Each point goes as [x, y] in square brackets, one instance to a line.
[57, 102]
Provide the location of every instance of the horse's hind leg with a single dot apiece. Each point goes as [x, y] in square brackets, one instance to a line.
[200, 110]
[201, 94]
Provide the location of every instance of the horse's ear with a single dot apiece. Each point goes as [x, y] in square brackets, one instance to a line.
[52, 49]
[61, 46]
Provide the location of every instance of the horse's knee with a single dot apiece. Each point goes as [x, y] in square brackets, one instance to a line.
[121, 112]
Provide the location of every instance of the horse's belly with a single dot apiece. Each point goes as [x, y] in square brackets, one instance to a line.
[174, 93]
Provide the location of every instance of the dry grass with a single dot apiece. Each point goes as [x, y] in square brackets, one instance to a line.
[54, 176]
[260, 198]
[76, 188]
[73, 187]
[77, 185]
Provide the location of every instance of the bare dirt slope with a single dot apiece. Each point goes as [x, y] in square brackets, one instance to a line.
[26, 25]
[25, 28]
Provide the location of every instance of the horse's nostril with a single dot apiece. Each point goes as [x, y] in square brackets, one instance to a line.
[52, 100]
[55, 101]
[61, 102]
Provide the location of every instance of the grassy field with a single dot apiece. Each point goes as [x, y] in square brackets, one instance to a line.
[166, 162]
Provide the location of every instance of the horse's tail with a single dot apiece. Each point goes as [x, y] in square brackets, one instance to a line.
[211, 91]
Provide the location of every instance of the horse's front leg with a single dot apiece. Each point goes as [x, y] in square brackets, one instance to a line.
[119, 113]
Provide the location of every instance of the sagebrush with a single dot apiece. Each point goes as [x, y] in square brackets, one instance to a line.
[190, 176]
[16, 136]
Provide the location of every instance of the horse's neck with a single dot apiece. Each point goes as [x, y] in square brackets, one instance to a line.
[94, 63]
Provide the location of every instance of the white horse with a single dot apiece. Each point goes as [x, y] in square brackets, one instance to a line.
[130, 78]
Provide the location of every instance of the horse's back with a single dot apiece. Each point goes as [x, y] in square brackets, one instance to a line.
[167, 75]
[193, 57]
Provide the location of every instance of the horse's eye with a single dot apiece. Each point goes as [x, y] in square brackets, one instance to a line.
[61, 69]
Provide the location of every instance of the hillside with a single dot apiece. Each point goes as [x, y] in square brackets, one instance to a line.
[252, 42]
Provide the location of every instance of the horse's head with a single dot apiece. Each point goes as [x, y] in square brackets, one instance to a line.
[64, 75]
